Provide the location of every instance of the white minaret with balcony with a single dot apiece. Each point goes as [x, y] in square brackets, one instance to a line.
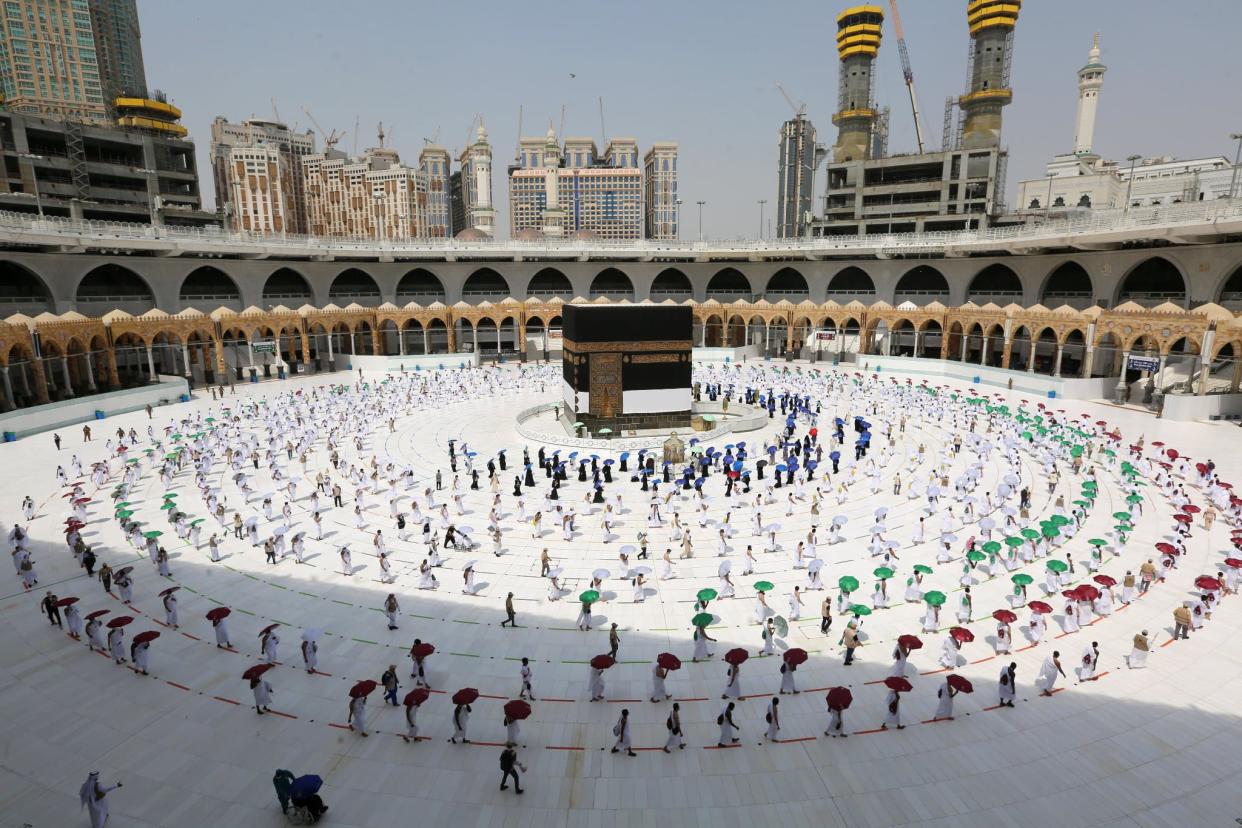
[483, 216]
[1090, 81]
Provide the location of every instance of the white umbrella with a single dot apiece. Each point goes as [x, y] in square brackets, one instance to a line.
[469, 565]
[555, 572]
[773, 527]
[1010, 511]
[987, 523]
[817, 564]
[280, 530]
[627, 549]
[878, 529]
[724, 568]
[881, 512]
[311, 634]
[948, 538]
[641, 570]
[601, 574]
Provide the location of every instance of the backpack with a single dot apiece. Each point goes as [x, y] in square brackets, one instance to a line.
[720, 719]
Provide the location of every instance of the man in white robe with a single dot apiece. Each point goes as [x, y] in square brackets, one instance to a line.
[94, 798]
[1138, 653]
[1007, 686]
[1048, 673]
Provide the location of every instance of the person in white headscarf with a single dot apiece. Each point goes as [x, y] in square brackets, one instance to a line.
[1138, 654]
[944, 709]
[94, 798]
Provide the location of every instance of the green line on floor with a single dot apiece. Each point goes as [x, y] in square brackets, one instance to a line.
[244, 611]
[364, 641]
[466, 655]
[342, 603]
[307, 594]
[463, 621]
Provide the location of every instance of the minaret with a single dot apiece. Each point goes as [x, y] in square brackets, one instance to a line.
[483, 216]
[991, 25]
[553, 215]
[858, 43]
[1090, 81]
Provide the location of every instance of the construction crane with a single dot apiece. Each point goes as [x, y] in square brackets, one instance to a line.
[799, 109]
[909, 73]
[329, 138]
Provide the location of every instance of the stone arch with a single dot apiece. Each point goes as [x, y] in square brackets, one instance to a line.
[1068, 284]
[550, 282]
[420, 285]
[612, 283]
[110, 286]
[1230, 293]
[486, 283]
[1073, 354]
[851, 282]
[671, 283]
[286, 286]
[354, 285]
[23, 291]
[995, 283]
[1152, 282]
[728, 285]
[210, 287]
[921, 284]
[787, 283]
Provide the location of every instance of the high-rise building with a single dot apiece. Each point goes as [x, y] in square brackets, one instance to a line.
[991, 24]
[373, 197]
[554, 191]
[434, 161]
[118, 49]
[471, 189]
[49, 64]
[660, 182]
[858, 43]
[799, 158]
[257, 168]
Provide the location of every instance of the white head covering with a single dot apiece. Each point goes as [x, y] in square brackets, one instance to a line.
[87, 792]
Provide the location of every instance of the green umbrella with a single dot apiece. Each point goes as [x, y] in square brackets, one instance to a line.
[848, 583]
[133, 461]
[764, 586]
[992, 547]
[197, 521]
[589, 597]
[1058, 520]
[211, 419]
[1134, 498]
[924, 568]
[702, 619]
[168, 495]
[1051, 531]
[1083, 503]
[1076, 451]
[579, 425]
[706, 595]
[1026, 435]
[1030, 534]
[1022, 579]
[124, 503]
[934, 598]
[176, 437]
[1057, 565]
[604, 431]
[883, 572]
[860, 609]
[124, 513]
[152, 534]
[1014, 543]
[168, 505]
[1110, 453]
[1098, 542]
[1122, 516]
[975, 555]
[1123, 528]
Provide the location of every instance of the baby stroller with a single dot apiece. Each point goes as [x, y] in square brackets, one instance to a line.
[299, 798]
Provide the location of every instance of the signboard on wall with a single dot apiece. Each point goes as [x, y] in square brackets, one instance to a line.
[825, 336]
[266, 346]
[1138, 363]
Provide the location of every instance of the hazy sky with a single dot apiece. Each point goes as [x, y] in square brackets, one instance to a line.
[698, 72]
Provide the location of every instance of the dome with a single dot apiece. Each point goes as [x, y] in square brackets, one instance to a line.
[472, 234]
[585, 235]
[529, 234]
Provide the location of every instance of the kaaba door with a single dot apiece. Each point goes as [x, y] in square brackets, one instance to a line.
[605, 385]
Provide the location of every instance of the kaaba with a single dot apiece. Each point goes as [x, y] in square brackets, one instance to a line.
[627, 367]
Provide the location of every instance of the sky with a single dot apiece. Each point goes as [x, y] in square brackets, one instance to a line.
[699, 72]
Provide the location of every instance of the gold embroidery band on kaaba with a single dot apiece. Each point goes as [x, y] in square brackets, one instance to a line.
[639, 359]
[627, 347]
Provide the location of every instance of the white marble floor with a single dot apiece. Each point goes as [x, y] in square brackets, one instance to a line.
[1151, 747]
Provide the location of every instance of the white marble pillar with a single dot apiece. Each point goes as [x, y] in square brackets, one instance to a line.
[64, 372]
[151, 362]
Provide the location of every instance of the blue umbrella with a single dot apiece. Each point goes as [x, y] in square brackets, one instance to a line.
[741, 445]
[737, 467]
[594, 456]
[782, 467]
[811, 464]
[305, 786]
[771, 449]
[698, 484]
[835, 455]
[609, 462]
[572, 455]
[839, 421]
[625, 455]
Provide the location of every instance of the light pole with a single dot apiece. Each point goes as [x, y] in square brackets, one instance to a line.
[1048, 204]
[1233, 180]
[700, 203]
[34, 178]
[762, 202]
[147, 171]
[1133, 159]
[677, 202]
[379, 218]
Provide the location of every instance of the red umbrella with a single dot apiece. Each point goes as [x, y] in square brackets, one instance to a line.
[1105, 580]
[166, 592]
[910, 642]
[736, 656]
[1086, 592]
[120, 621]
[97, 613]
[257, 670]
[668, 661]
[80, 500]
[1207, 582]
[267, 629]
[839, 698]
[1157, 443]
[1236, 563]
[1005, 616]
[1182, 517]
[960, 683]
[466, 695]
[1101, 423]
[363, 688]
[73, 599]
[961, 634]
[423, 650]
[1191, 509]
[603, 662]
[1172, 453]
[145, 636]
[517, 709]
[218, 613]
[417, 696]
[1166, 548]
[897, 683]
[1201, 468]
[795, 656]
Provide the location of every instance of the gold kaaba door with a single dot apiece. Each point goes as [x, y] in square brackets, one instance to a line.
[605, 385]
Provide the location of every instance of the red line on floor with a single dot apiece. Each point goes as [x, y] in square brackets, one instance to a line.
[562, 747]
[188, 635]
[993, 707]
[338, 726]
[933, 721]
[623, 701]
[981, 660]
[278, 713]
[178, 686]
[318, 673]
[873, 730]
[694, 699]
[223, 699]
[720, 747]
[933, 672]
[798, 739]
[1167, 643]
[489, 744]
[486, 696]
[877, 681]
[546, 699]
[1027, 647]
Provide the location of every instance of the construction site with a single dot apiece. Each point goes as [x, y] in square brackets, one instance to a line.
[869, 190]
